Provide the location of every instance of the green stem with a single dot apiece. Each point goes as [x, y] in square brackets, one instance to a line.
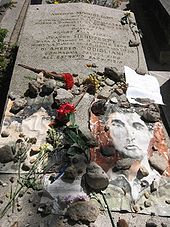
[10, 202]
[109, 212]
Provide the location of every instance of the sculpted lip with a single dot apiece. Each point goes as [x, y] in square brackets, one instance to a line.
[131, 147]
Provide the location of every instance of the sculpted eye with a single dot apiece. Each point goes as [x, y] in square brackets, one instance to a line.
[138, 126]
[118, 123]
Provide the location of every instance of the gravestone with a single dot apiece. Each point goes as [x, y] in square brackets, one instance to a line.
[66, 37]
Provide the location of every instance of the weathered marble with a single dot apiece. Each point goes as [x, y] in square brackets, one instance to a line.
[65, 37]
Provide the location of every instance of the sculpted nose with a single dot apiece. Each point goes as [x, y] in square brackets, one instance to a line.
[130, 140]
[131, 135]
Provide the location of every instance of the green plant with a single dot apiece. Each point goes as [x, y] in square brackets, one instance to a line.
[3, 34]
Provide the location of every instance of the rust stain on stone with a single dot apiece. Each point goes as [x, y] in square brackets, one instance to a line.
[159, 144]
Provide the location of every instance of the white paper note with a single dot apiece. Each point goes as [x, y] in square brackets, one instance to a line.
[142, 86]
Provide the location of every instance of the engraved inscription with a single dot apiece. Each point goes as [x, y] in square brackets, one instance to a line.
[82, 36]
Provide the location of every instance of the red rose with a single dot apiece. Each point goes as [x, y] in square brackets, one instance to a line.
[64, 110]
[68, 79]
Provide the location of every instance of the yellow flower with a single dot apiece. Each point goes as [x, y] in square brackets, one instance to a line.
[56, 2]
[92, 82]
[46, 147]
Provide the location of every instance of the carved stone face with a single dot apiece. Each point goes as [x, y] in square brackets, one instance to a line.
[129, 134]
[36, 125]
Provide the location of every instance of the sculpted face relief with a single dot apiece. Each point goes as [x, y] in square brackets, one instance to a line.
[129, 134]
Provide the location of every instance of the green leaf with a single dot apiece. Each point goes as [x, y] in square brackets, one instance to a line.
[74, 150]
[72, 118]
[72, 135]
[87, 154]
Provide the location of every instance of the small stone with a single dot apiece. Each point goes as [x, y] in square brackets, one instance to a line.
[108, 150]
[147, 203]
[3, 184]
[142, 172]
[141, 71]
[147, 195]
[45, 209]
[6, 154]
[5, 134]
[83, 211]
[34, 150]
[122, 223]
[13, 96]
[158, 162]
[114, 100]
[63, 96]
[70, 173]
[12, 179]
[119, 91]
[154, 186]
[34, 88]
[75, 90]
[80, 163]
[98, 107]
[150, 224]
[1, 201]
[151, 116]
[104, 93]
[40, 78]
[133, 43]
[124, 104]
[123, 164]
[18, 105]
[26, 166]
[109, 82]
[112, 73]
[167, 201]
[49, 86]
[95, 177]
[115, 86]
[32, 160]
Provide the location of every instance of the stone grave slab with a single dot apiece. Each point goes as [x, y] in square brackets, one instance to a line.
[66, 37]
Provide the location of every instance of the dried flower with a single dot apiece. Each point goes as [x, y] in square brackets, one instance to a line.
[68, 79]
[65, 110]
[75, 198]
[93, 83]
